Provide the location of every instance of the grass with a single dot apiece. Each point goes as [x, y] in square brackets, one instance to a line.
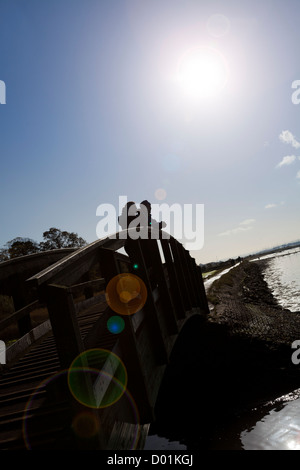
[6, 305]
[208, 274]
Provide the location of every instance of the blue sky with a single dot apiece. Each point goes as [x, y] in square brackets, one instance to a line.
[95, 110]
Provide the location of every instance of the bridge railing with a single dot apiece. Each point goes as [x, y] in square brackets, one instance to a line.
[13, 275]
[174, 287]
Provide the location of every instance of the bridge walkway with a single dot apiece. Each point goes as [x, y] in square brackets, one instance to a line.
[24, 403]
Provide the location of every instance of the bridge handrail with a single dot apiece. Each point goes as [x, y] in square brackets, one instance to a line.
[14, 317]
[21, 260]
[114, 241]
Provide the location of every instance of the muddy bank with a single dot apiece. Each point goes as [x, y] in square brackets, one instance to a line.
[237, 359]
[242, 300]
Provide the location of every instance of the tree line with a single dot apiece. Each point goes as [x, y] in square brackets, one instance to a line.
[53, 238]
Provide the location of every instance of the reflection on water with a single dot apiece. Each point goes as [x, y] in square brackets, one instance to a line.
[283, 278]
[278, 430]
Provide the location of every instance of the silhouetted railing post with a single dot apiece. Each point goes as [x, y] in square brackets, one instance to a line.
[181, 273]
[204, 303]
[128, 341]
[169, 310]
[20, 301]
[176, 290]
[194, 279]
[189, 275]
[150, 307]
[64, 323]
[193, 269]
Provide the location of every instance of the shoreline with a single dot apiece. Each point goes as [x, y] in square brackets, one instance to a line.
[241, 362]
[242, 300]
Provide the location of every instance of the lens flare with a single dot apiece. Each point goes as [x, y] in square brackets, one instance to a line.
[97, 378]
[160, 194]
[115, 324]
[85, 425]
[126, 294]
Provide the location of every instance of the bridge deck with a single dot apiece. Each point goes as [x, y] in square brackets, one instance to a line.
[23, 400]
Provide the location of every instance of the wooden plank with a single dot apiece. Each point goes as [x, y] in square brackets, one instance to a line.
[80, 256]
[93, 283]
[23, 344]
[19, 314]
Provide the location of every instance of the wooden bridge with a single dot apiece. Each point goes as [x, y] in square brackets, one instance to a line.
[88, 376]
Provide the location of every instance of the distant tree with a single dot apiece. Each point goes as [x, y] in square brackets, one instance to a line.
[56, 239]
[20, 247]
[4, 255]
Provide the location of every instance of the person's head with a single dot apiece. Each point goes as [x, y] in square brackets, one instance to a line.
[130, 208]
[147, 205]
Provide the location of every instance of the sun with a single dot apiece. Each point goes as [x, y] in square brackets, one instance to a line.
[202, 73]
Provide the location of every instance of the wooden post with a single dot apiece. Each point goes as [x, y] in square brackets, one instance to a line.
[19, 295]
[137, 385]
[204, 303]
[169, 310]
[188, 260]
[194, 272]
[64, 323]
[176, 291]
[181, 274]
[128, 341]
[150, 307]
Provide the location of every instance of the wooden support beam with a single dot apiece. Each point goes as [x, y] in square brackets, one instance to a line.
[64, 323]
[198, 293]
[191, 276]
[151, 314]
[20, 298]
[181, 273]
[176, 291]
[204, 303]
[169, 310]
[137, 378]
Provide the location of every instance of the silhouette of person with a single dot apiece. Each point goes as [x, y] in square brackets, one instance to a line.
[146, 209]
[129, 213]
[126, 219]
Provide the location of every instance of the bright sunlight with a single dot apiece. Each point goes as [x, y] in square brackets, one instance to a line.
[202, 73]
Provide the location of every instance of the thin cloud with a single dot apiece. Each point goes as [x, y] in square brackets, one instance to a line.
[288, 138]
[247, 222]
[288, 160]
[272, 205]
[243, 226]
